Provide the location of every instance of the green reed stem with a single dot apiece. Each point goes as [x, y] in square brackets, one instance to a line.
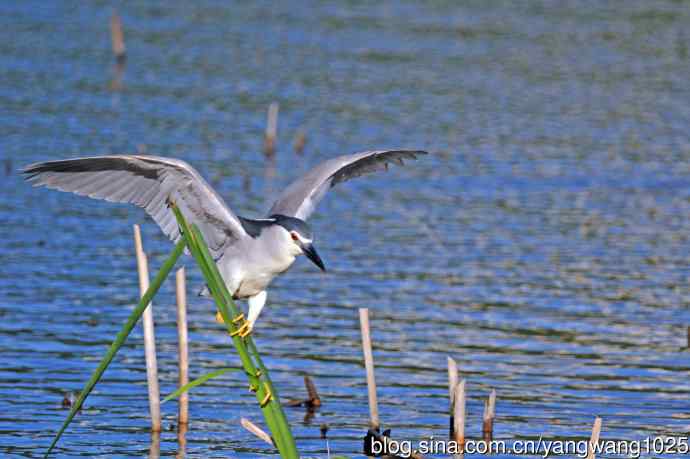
[259, 379]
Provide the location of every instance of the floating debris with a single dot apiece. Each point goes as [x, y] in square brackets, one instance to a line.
[256, 430]
[69, 399]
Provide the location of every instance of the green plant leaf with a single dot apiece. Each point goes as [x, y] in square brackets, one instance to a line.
[120, 338]
[259, 379]
[197, 382]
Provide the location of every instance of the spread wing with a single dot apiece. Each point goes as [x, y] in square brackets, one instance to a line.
[301, 197]
[148, 182]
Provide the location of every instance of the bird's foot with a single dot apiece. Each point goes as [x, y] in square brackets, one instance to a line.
[243, 331]
[219, 318]
[244, 327]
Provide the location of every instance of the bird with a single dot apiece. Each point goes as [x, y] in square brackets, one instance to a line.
[249, 252]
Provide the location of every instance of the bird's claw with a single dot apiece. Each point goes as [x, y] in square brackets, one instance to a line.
[219, 318]
[243, 330]
[238, 319]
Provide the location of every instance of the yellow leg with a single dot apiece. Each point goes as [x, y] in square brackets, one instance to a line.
[219, 318]
[244, 328]
[238, 319]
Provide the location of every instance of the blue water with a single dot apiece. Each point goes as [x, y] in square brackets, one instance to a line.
[543, 244]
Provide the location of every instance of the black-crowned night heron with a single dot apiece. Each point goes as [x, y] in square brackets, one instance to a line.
[249, 252]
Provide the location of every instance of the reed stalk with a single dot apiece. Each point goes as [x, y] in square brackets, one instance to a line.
[459, 415]
[183, 346]
[452, 384]
[117, 38]
[149, 335]
[594, 438]
[489, 416]
[256, 371]
[120, 339]
[374, 422]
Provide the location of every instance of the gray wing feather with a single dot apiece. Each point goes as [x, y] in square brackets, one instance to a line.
[148, 182]
[301, 197]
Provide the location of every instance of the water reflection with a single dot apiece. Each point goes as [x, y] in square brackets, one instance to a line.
[155, 448]
[181, 440]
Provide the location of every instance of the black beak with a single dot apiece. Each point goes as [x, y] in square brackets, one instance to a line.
[310, 252]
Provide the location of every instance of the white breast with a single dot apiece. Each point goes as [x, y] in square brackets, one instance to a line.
[252, 265]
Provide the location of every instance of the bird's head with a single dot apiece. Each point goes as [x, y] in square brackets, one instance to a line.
[300, 238]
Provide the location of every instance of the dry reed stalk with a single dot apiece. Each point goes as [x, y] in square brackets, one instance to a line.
[117, 38]
[183, 349]
[256, 430]
[300, 141]
[313, 399]
[149, 336]
[452, 384]
[594, 439]
[488, 418]
[271, 129]
[369, 365]
[459, 416]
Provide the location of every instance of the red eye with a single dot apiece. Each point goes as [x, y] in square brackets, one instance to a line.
[294, 237]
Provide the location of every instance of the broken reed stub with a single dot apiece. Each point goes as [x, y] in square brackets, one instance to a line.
[459, 415]
[149, 335]
[183, 344]
[271, 129]
[117, 38]
[369, 366]
[489, 416]
[452, 384]
[594, 438]
[256, 431]
[313, 396]
[300, 142]
[312, 401]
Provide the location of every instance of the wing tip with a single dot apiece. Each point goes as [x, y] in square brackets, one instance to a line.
[29, 168]
[30, 172]
[34, 169]
[412, 154]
